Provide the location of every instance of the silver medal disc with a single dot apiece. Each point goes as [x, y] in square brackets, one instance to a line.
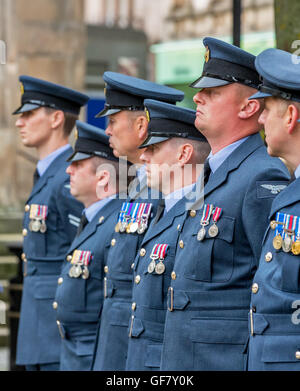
[287, 244]
[151, 267]
[160, 268]
[201, 234]
[36, 225]
[142, 228]
[43, 227]
[77, 271]
[213, 231]
[134, 227]
[85, 273]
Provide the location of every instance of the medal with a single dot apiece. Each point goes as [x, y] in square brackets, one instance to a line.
[43, 228]
[77, 271]
[207, 210]
[278, 226]
[201, 234]
[38, 215]
[117, 227]
[85, 273]
[287, 244]
[296, 247]
[151, 266]
[277, 242]
[36, 225]
[213, 230]
[159, 251]
[160, 267]
[134, 227]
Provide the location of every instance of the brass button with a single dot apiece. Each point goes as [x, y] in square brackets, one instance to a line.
[142, 252]
[273, 224]
[255, 288]
[101, 219]
[24, 232]
[113, 242]
[297, 355]
[23, 256]
[69, 258]
[173, 275]
[268, 257]
[132, 266]
[27, 208]
[105, 269]
[178, 227]
[60, 281]
[137, 279]
[193, 213]
[55, 305]
[133, 306]
[181, 244]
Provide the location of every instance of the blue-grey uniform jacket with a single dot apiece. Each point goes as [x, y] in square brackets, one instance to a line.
[112, 339]
[38, 337]
[208, 302]
[79, 298]
[150, 288]
[274, 319]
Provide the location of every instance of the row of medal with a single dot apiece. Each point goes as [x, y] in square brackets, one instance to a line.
[133, 218]
[80, 262]
[287, 233]
[157, 256]
[38, 215]
[209, 211]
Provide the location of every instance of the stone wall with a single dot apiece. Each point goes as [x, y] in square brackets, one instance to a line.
[45, 39]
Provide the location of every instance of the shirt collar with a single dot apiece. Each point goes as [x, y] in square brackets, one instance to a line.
[93, 209]
[218, 158]
[43, 164]
[172, 198]
[297, 172]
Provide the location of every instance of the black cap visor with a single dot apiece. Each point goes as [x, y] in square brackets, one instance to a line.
[207, 82]
[26, 107]
[150, 140]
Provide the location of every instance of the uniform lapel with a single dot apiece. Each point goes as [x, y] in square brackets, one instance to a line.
[99, 219]
[167, 220]
[233, 162]
[289, 196]
[50, 172]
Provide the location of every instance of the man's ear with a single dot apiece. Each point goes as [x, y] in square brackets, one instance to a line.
[57, 119]
[185, 153]
[291, 117]
[249, 108]
[141, 126]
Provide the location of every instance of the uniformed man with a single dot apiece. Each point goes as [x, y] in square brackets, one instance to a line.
[47, 116]
[78, 302]
[219, 246]
[274, 312]
[174, 151]
[127, 129]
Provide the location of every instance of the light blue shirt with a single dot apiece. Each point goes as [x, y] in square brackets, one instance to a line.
[218, 158]
[297, 172]
[172, 198]
[43, 164]
[93, 209]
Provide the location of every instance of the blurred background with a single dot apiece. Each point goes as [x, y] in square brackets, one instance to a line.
[73, 42]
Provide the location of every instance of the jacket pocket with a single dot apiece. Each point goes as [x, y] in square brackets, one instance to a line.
[281, 349]
[153, 355]
[212, 258]
[218, 343]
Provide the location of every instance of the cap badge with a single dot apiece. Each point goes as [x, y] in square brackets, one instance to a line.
[147, 114]
[207, 54]
[22, 88]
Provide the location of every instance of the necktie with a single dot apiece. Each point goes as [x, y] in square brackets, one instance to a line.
[160, 210]
[36, 176]
[82, 224]
[207, 171]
